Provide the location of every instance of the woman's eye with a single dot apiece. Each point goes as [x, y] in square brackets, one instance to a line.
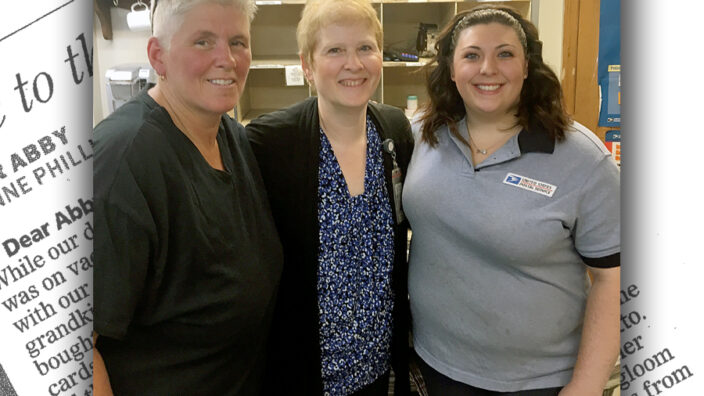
[472, 56]
[334, 51]
[366, 48]
[201, 43]
[505, 54]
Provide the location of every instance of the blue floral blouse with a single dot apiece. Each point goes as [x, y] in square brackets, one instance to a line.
[355, 260]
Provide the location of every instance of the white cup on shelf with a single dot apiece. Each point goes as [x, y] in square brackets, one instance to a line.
[139, 19]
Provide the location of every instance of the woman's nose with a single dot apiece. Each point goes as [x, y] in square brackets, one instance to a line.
[224, 56]
[352, 61]
[488, 66]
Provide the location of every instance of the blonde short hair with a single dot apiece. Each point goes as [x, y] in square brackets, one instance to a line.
[318, 14]
[167, 15]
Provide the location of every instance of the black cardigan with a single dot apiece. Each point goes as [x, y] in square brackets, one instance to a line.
[287, 145]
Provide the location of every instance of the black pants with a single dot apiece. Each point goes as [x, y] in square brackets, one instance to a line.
[380, 387]
[438, 384]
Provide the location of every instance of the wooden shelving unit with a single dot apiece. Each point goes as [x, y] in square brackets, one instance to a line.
[274, 47]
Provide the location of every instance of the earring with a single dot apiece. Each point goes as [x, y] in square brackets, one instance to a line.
[162, 77]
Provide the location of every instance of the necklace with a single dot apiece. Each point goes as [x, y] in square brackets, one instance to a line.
[500, 141]
[476, 149]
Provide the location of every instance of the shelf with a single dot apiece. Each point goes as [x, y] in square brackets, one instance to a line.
[400, 82]
[421, 62]
[274, 47]
[281, 62]
[400, 22]
[266, 90]
[273, 31]
[274, 62]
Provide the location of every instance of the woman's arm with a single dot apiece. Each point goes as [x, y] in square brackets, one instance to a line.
[101, 382]
[600, 342]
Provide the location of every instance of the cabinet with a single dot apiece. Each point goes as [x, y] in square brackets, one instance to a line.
[274, 47]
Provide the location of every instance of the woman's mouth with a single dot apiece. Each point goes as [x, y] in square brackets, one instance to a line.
[353, 82]
[222, 82]
[488, 87]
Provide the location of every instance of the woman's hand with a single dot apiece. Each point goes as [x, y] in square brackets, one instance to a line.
[101, 382]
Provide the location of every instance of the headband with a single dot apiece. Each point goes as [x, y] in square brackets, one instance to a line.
[484, 16]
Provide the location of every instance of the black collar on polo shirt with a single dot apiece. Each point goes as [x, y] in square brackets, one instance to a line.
[535, 140]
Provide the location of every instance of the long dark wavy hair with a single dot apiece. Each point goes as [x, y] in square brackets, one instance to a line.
[541, 104]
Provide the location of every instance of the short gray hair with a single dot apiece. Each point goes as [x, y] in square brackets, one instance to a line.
[167, 15]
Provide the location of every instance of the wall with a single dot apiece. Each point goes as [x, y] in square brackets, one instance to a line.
[130, 47]
[550, 26]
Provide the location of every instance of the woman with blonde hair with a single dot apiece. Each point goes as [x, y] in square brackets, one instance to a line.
[332, 166]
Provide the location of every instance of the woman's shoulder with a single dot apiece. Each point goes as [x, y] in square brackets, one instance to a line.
[141, 119]
[115, 136]
[280, 129]
[286, 118]
[127, 144]
[580, 140]
[124, 122]
[388, 112]
[392, 121]
[582, 150]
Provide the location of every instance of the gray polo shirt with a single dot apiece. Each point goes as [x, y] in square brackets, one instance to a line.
[497, 275]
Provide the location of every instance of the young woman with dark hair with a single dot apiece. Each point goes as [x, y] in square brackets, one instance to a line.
[511, 205]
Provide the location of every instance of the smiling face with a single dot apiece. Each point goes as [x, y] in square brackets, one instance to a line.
[208, 59]
[346, 65]
[489, 67]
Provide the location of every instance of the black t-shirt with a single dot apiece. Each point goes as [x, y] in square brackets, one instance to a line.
[187, 259]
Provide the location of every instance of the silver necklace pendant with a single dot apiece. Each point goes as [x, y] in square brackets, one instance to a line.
[476, 149]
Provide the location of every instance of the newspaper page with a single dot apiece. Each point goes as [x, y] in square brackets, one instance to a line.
[662, 278]
[46, 68]
[46, 197]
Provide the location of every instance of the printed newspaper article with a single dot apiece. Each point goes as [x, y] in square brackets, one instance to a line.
[46, 198]
[46, 230]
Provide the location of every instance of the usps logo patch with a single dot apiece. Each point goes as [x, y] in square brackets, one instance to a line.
[526, 183]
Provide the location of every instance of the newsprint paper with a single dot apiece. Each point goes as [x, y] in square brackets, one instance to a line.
[46, 231]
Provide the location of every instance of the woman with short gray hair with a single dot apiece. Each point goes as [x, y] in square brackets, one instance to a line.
[187, 259]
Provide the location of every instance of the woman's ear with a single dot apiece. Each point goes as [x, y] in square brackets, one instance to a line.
[156, 54]
[307, 70]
